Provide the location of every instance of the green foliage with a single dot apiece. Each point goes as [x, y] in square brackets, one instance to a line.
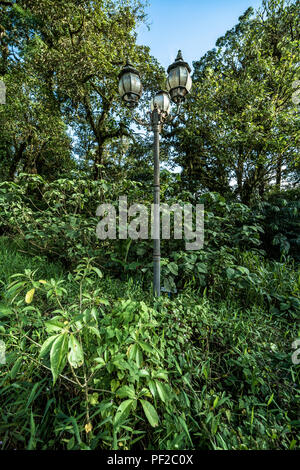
[40, 212]
[245, 276]
[75, 50]
[85, 372]
[280, 218]
[241, 123]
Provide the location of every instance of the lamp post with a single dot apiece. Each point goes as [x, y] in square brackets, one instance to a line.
[179, 84]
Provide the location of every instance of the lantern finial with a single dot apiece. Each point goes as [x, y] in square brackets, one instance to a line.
[179, 55]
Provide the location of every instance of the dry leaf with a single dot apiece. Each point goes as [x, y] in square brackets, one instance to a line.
[88, 427]
[29, 296]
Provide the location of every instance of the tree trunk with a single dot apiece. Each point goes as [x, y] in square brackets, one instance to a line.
[16, 160]
[98, 172]
[239, 178]
[31, 166]
[261, 180]
[279, 172]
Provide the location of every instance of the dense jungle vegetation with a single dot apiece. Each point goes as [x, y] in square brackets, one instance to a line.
[92, 360]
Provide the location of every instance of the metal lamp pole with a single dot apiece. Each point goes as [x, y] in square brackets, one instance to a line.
[155, 120]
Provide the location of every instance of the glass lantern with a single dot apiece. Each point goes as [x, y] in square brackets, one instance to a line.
[179, 82]
[130, 86]
[162, 102]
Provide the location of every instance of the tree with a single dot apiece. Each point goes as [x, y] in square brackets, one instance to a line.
[242, 127]
[76, 48]
[33, 135]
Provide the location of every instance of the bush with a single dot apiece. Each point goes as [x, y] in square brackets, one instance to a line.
[87, 369]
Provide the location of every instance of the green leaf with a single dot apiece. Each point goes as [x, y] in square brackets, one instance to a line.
[126, 392]
[202, 268]
[162, 392]
[161, 374]
[183, 424]
[54, 325]
[58, 355]
[230, 273]
[216, 401]
[150, 413]
[5, 311]
[94, 330]
[46, 346]
[75, 356]
[123, 412]
[146, 347]
[270, 399]
[173, 268]
[98, 272]
[152, 387]
[16, 367]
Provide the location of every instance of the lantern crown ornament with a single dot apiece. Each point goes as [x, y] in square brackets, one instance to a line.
[179, 82]
[130, 86]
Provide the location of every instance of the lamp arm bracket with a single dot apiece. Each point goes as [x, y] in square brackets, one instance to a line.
[142, 122]
[177, 115]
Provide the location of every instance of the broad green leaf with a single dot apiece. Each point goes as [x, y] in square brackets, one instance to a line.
[216, 401]
[58, 355]
[5, 311]
[150, 413]
[16, 367]
[146, 347]
[123, 412]
[161, 374]
[55, 324]
[152, 387]
[46, 346]
[173, 268]
[126, 392]
[162, 392]
[230, 273]
[98, 272]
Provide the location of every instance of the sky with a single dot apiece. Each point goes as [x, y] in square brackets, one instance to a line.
[190, 25]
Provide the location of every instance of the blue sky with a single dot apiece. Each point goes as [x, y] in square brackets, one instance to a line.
[190, 25]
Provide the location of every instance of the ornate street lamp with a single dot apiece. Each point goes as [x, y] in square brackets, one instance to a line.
[179, 84]
[130, 86]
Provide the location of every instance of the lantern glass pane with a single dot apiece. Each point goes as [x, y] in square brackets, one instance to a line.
[183, 73]
[189, 83]
[166, 105]
[160, 101]
[173, 79]
[121, 88]
[135, 84]
[127, 82]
